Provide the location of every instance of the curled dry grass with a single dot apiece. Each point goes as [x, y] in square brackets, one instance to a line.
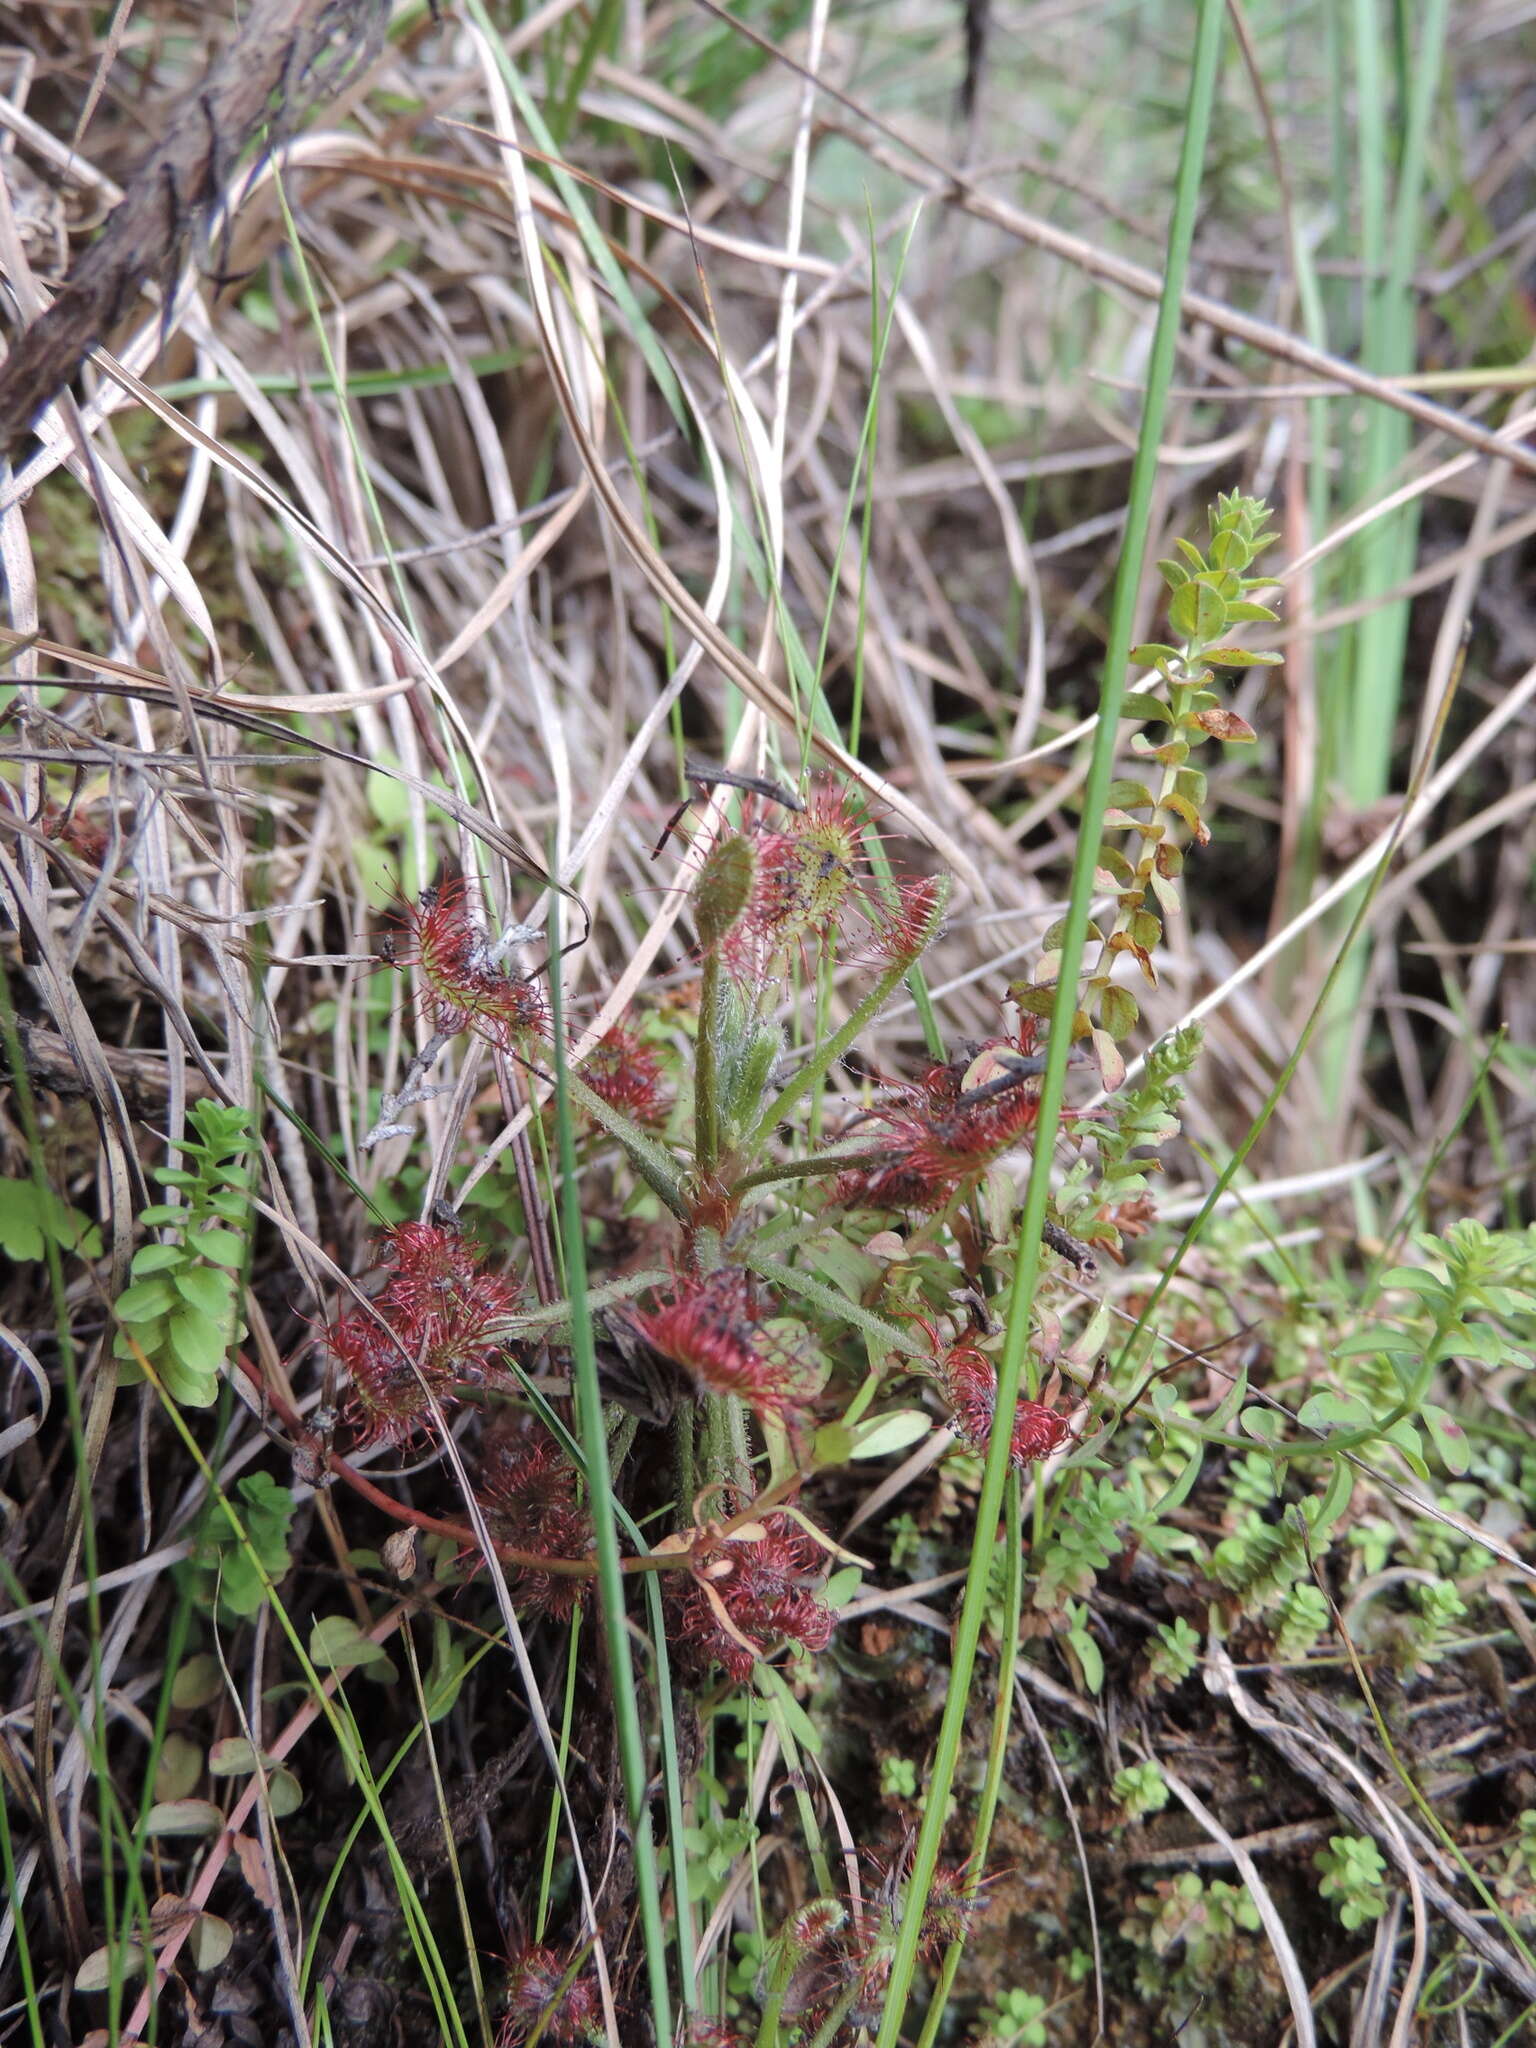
[503, 434]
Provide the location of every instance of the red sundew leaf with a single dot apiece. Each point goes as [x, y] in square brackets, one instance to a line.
[956, 1122]
[466, 988]
[710, 1329]
[528, 1488]
[969, 1379]
[907, 928]
[439, 1321]
[536, 2003]
[627, 1074]
[747, 1598]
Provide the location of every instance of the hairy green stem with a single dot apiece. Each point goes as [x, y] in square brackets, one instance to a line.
[706, 1085]
[797, 1169]
[654, 1165]
[831, 2026]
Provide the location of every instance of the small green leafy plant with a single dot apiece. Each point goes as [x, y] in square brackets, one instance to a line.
[32, 1217]
[1302, 1619]
[179, 1314]
[1141, 1789]
[1174, 1653]
[1209, 596]
[1464, 1306]
[233, 1563]
[1517, 1880]
[1016, 2019]
[1353, 1876]
[1188, 1933]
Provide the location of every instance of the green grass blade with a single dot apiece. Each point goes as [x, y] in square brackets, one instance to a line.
[1197, 119]
[997, 1748]
[610, 1578]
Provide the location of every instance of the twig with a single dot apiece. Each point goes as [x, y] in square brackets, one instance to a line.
[413, 1089]
[276, 56]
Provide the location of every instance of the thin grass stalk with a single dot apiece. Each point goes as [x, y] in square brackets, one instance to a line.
[877, 343]
[997, 1749]
[1383, 558]
[1387, 254]
[1414, 1204]
[336, 1711]
[597, 42]
[610, 1580]
[18, 1922]
[863, 470]
[632, 314]
[116, 1833]
[552, 1832]
[175, 1643]
[864, 467]
[86, 1436]
[1414, 1792]
[360, 383]
[445, 1821]
[349, 1840]
[341, 388]
[672, 1792]
[1197, 120]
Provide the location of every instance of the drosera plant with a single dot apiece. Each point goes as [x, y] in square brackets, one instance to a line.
[762, 1345]
[438, 1324]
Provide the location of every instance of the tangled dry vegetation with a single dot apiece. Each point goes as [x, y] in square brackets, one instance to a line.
[554, 537]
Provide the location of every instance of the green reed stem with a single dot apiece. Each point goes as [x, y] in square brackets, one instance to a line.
[1095, 801]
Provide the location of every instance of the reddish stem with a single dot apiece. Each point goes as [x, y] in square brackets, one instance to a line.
[459, 1532]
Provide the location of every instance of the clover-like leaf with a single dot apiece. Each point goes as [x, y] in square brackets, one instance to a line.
[209, 1289]
[144, 1301]
[1197, 611]
[219, 1247]
[1448, 1438]
[184, 1817]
